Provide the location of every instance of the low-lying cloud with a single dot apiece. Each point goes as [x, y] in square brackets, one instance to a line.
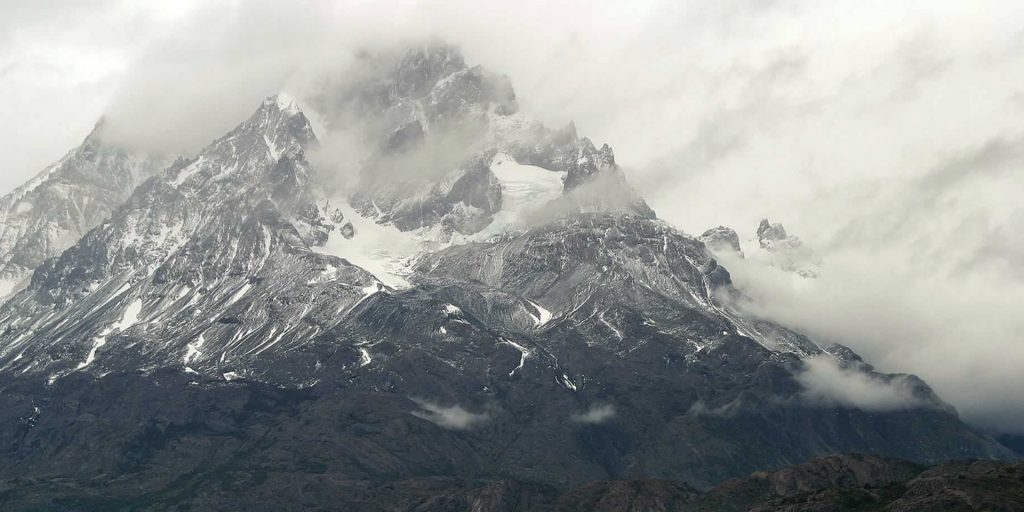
[595, 415]
[903, 312]
[454, 417]
[826, 382]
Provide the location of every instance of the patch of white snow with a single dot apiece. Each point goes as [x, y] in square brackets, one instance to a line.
[524, 353]
[97, 342]
[543, 316]
[129, 318]
[524, 189]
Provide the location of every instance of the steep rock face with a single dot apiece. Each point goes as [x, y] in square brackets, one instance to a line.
[53, 210]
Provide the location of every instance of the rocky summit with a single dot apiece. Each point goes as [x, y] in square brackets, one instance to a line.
[489, 318]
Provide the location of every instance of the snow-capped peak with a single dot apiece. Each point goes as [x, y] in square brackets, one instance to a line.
[284, 102]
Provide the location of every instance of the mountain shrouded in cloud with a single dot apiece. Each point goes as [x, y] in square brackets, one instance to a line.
[885, 135]
[405, 259]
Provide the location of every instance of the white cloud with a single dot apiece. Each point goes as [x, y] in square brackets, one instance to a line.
[454, 417]
[904, 310]
[825, 382]
[595, 415]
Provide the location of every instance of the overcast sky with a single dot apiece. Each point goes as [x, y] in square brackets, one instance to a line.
[888, 135]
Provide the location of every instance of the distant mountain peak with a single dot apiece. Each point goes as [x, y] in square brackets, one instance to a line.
[786, 251]
[768, 232]
[284, 102]
[722, 238]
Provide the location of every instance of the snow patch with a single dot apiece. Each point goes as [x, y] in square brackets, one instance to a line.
[97, 342]
[187, 172]
[524, 189]
[286, 103]
[567, 382]
[376, 287]
[543, 316]
[129, 318]
[6, 287]
[381, 250]
[608, 324]
[239, 294]
[524, 353]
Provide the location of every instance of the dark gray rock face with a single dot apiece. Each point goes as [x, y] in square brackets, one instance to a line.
[199, 348]
[53, 210]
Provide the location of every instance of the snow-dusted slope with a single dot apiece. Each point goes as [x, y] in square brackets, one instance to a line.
[53, 210]
[217, 249]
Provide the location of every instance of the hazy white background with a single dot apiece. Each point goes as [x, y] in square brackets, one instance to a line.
[888, 135]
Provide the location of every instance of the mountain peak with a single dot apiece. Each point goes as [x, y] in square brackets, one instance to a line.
[423, 66]
[283, 102]
[720, 239]
[277, 129]
[768, 231]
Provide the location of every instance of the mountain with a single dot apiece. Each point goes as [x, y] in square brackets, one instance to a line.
[441, 128]
[491, 302]
[41, 218]
[722, 239]
[204, 267]
[786, 251]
